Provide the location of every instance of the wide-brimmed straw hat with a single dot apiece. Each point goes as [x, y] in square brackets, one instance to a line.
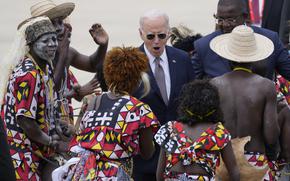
[242, 45]
[51, 10]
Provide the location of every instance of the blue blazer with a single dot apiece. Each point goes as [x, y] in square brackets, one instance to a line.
[181, 72]
[207, 63]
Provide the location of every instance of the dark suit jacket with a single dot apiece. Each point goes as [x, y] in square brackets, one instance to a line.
[275, 16]
[6, 167]
[285, 22]
[271, 18]
[181, 72]
[207, 63]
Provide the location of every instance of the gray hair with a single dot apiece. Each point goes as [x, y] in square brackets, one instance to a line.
[146, 81]
[153, 14]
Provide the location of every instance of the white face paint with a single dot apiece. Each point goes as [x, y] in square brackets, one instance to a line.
[45, 46]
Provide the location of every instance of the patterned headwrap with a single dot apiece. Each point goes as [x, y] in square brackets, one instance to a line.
[39, 28]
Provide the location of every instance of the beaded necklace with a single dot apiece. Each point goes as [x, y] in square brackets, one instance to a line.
[50, 94]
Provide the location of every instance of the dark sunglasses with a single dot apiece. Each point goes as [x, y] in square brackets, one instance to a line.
[161, 36]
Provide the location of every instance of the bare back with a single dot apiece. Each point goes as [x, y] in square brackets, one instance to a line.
[248, 102]
[284, 122]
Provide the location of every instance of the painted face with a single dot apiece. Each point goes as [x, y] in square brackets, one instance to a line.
[45, 46]
[155, 33]
[228, 17]
[59, 27]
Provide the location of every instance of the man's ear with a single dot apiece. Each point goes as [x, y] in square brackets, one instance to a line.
[141, 34]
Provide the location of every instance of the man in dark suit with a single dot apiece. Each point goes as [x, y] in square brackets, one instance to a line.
[274, 15]
[231, 13]
[170, 69]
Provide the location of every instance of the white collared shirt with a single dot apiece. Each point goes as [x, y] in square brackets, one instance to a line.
[164, 64]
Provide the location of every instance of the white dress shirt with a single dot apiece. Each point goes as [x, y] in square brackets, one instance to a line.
[165, 66]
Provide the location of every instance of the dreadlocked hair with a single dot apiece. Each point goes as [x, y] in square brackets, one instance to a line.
[183, 38]
[199, 102]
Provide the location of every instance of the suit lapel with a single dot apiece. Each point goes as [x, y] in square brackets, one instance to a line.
[172, 63]
[266, 10]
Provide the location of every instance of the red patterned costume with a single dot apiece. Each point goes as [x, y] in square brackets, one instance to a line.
[260, 161]
[204, 151]
[110, 138]
[29, 94]
[283, 87]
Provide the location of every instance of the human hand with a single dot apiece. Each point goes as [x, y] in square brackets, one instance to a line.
[54, 141]
[99, 35]
[67, 129]
[92, 86]
[64, 41]
[63, 146]
[62, 131]
[66, 33]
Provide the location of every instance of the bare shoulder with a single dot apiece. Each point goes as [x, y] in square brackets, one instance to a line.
[267, 85]
[219, 81]
[265, 81]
